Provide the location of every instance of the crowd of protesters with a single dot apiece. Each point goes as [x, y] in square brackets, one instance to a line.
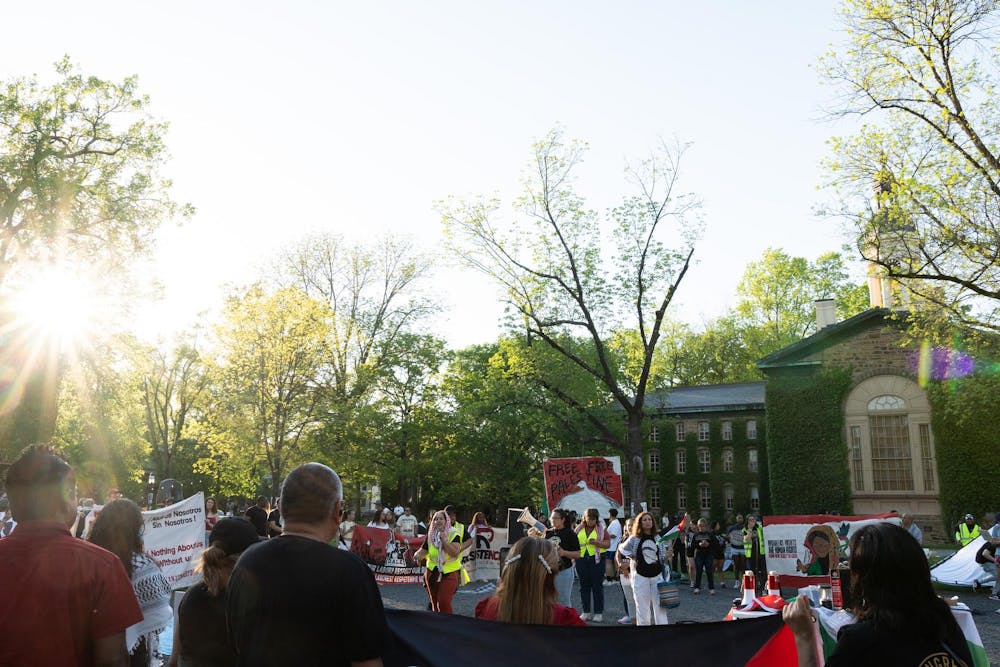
[279, 587]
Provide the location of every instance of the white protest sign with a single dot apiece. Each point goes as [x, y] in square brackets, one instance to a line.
[175, 537]
[482, 561]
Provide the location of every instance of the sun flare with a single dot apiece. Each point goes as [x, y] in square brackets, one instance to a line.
[56, 304]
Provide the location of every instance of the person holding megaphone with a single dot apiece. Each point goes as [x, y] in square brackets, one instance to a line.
[567, 548]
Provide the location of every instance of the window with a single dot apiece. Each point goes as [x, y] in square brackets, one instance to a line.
[682, 498]
[654, 434]
[926, 457]
[727, 460]
[886, 402]
[654, 496]
[682, 462]
[727, 430]
[754, 499]
[752, 460]
[705, 497]
[654, 460]
[680, 431]
[705, 461]
[730, 495]
[857, 460]
[892, 464]
[752, 429]
[703, 432]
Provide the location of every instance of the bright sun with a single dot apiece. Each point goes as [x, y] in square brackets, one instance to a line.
[57, 304]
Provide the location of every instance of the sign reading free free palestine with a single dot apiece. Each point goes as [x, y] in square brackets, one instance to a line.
[582, 482]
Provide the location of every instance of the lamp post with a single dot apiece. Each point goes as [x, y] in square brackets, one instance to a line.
[151, 485]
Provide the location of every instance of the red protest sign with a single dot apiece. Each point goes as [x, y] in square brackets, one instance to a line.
[595, 481]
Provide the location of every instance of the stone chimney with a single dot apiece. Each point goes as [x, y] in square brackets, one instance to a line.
[826, 313]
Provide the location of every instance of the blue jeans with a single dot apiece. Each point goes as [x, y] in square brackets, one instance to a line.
[564, 587]
[703, 562]
[591, 573]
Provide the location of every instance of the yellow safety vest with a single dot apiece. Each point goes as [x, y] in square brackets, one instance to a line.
[588, 549]
[451, 563]
[964, 535]
[748, 541]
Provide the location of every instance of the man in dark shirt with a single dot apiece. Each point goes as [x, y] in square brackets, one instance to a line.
[296, 600]
[274, 520]
[65, 601]
[258, 515]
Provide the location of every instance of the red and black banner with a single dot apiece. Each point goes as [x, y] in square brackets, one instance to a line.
[427, 639]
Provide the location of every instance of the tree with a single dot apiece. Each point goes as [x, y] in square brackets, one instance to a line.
[926, 73]
[78, 170]
[560, 281]
[79, 186]
[172, 389]
[272, 348]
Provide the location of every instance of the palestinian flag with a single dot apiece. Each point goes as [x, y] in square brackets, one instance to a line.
[426, 639]
[830, 623]
[672, 534]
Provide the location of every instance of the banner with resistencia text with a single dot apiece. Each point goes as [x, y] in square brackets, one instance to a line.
[582, 482]
[482, 561]
[802, 548]
[175, 537]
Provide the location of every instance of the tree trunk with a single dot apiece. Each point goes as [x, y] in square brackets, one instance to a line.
[637, 469]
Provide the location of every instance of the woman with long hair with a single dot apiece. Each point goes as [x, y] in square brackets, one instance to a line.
[647, 555]
[479, 521]
[442, 548]
[211, 513]
[383, 519]
[119, 529]
[347, 528]
[200, 631]
[526, 592]
[900, 619]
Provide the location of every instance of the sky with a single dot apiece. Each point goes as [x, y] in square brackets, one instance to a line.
[293, 117]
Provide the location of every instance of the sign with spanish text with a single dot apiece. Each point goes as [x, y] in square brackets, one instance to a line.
[582, 482]
[482, 561]
[175, 537]
[802, 548]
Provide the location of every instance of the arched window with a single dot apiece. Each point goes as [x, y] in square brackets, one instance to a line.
[730, 494]
[704, 497]
[890, 443]
[704, 461]
[727, 459]
[682, 502]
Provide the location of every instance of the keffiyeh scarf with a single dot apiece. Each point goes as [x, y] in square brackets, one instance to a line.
[153, 593]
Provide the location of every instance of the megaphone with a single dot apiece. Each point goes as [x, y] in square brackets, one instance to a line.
[529, 520]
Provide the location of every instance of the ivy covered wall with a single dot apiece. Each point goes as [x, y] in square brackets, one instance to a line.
[965, 418]
[807, 455]
[741, 478]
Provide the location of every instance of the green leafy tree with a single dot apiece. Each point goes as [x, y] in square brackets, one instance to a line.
[920, 181]
[172, 391]
[562, 283]
[272, 347]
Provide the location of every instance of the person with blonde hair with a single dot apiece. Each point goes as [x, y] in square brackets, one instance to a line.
[647, 554]
[200, 630]
[527, 592]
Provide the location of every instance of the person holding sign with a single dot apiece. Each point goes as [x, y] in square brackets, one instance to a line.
[589, 567]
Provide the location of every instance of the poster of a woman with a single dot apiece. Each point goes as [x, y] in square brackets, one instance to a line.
[823, 547]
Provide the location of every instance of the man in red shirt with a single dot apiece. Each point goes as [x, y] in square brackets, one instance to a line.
[65, 601]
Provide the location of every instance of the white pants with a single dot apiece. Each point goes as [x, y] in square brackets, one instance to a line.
[646, 596]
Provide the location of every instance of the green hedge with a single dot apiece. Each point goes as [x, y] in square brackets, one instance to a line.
[966, 423]
[807, 455]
